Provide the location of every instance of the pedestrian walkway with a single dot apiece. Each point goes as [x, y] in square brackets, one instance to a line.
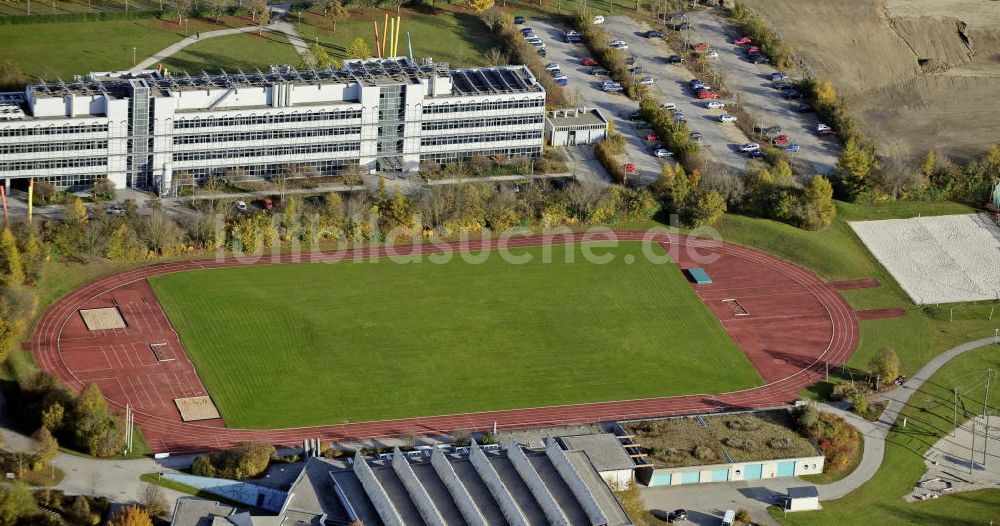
[875, 433]
[277, 25]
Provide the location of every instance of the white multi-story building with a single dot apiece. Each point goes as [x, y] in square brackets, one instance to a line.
[145, 130]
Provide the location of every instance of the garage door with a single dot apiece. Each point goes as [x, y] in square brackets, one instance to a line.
[660, 479]
[690, 477]
[786, 469]
[720, 475]
[753, 471]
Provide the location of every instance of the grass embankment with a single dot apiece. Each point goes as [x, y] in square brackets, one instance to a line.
[248, 52]
[359, 341]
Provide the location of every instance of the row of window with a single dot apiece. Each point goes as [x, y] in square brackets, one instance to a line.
[266, 135]
[276, 118]
[53, 146]
[480, 137]
[488, 105]
[74, 181]
[482, 123]
[451, 157]
[264, 171]
[53, 130]
[48, 164]
[268, 151]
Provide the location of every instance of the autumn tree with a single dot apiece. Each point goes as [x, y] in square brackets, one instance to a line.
[884, 366]
[857, 163]
[131, 516]
[54, 416]
[182, 8]
[218, 8]
[123, 244]
[10, 259]
[47, 447]
[708, 208]
[929, 165]
[15, 502]
[359, 49]
[819, 193]
[337, 13]
[479, 6]
[153, 500]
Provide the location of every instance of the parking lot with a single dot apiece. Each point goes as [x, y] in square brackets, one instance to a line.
[614, 106]
[719, 139]
[761, 100]
[706, 503]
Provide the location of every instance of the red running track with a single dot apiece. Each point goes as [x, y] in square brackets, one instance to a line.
[790, 324]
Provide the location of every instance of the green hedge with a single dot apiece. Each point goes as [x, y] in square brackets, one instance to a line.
[103, 16]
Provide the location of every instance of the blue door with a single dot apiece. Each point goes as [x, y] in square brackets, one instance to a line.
[690, 477]
[720, 475]
[753, 471]
[786, 469]
[660, 479]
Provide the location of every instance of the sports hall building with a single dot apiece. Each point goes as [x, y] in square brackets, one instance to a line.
[147, 130]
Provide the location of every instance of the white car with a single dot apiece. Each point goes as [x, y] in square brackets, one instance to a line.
[618, 44]
[612, 86]
[822, 127]
[241, 206]
[749, 147]
[646, 81]
[663, 152]
[552, 67]
[725, 117]
[598, 19]
[712, 54]
[668, 106]
[715, 105]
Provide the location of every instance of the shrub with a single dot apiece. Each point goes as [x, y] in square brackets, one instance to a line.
[780, 443]
[739, 443]
[244, 460]
[704, 453]
[743, 424]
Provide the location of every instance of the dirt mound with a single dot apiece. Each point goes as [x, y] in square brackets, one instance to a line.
[908, 68]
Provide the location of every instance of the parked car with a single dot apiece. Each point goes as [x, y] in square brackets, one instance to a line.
[742, 41]
[759, 59]
[675, 59]
[668, 106]
[827, 133]
[598, 70]
[526, 31]
[696, 136]
[542, 52]
[653, 34]
[552, 66]
[646, 81]
[610, 86]
[656, 146]
[629, 167]
[558, 75]
[115, 210]
[749, 147]
[241, 206]
[652, 137]
[804, 108]
[779, 77]
[707, 94]
[702, 46]
[518, 20]
[712, 54]
[618, 44]
[756, 154]
[715, 104]
[725, 117]
[677, 515]
[683, 26]
[753, 49]
[636, 70]
[783, 86]
[572, 33]
[663, 152]
[635, 116]
[598, 19]
[781, 139]
[769, 131]
[643, 125]
[793, 148]
[823, 127]
[587, 61]
[680, 118]
[729, 518]
[792, 95]
[562, 81]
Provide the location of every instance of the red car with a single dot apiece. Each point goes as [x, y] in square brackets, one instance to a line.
[781, 139]
[587, 61]
[707, 94]
[267, 204]
[753, 49]
[704, 46]
[826, 133]
[629, 167]
[742, 41]
[652, 137]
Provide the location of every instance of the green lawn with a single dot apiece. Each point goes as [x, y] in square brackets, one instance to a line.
[247, 52]
[296, 345]
[76, 48]
[929, 417]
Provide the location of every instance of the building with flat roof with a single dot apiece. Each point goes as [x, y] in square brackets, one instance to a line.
[575, 126]
[148, 130]
[198, 512]
[607, 455]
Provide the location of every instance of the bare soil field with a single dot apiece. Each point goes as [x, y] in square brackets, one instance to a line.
[918, 74]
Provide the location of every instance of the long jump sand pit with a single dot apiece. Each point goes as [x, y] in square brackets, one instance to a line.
[942, 259]
[197, 408]
[102, 319]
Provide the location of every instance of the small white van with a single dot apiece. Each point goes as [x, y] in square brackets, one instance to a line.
[729, 518]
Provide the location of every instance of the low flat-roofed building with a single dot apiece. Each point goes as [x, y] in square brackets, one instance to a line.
[606, 454]
[576, 126]
[198, 512]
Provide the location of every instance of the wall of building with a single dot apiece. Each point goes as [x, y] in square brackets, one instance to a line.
[736, 471]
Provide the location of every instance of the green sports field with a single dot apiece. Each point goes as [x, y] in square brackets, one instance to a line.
[308, 344]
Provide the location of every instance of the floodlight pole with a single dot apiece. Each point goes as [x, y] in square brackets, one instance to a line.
[986, 415]
[133, 57]
[954, 417]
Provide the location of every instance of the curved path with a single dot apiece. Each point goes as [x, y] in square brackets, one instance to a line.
[875, 433]
[166, 434]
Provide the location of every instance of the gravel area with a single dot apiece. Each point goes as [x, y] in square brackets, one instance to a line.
[942, 259]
